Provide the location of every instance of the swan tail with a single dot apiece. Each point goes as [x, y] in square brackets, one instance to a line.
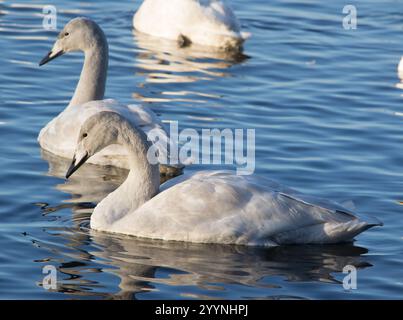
[344, 232]
[325, 233]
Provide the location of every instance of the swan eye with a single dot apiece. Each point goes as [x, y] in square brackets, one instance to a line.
[85, 135]
[66, 34]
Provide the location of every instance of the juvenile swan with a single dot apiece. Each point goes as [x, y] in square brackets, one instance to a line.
[208, 206]
[60, 135]
[204, 22]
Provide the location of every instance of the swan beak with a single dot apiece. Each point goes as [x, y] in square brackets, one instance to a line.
[50, 56]
[74, 167]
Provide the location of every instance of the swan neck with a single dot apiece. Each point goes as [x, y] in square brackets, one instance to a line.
[144, 178]
[91, 85]
[141, 184]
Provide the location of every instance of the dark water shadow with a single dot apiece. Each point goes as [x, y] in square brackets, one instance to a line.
[108, 266]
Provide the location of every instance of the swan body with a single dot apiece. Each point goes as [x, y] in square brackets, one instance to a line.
[207, 206]
[204, 22]
[60, 135]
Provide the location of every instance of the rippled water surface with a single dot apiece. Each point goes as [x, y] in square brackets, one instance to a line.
[327, 114]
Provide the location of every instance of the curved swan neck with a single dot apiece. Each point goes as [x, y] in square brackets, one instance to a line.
[91, 85]
[140, 186]
[144, 179]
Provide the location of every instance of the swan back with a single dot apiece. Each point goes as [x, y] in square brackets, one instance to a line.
[220, 207]
[205, 22]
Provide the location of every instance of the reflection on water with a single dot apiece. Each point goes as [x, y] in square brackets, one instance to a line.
[91, 183]
[142, 266]
[163, 61]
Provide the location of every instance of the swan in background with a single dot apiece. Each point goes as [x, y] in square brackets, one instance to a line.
[400, 68]
[60, 135]
[205, 22]
[164, 62]
[207, 206]
[400, 74]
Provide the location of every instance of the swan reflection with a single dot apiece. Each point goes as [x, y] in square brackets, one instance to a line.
[162, 61]
[111, 266]
[92, 184]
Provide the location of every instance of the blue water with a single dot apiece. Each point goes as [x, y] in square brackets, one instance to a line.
[325, 106]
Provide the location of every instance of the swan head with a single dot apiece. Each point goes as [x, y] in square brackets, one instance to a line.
[79, 34]
[97, 132]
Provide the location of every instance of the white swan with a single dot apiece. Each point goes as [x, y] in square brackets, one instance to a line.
[60, 135]
[205, 22]
[208, 206]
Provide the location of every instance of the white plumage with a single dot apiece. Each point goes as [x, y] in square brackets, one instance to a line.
[400, 69]
[205, 22]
